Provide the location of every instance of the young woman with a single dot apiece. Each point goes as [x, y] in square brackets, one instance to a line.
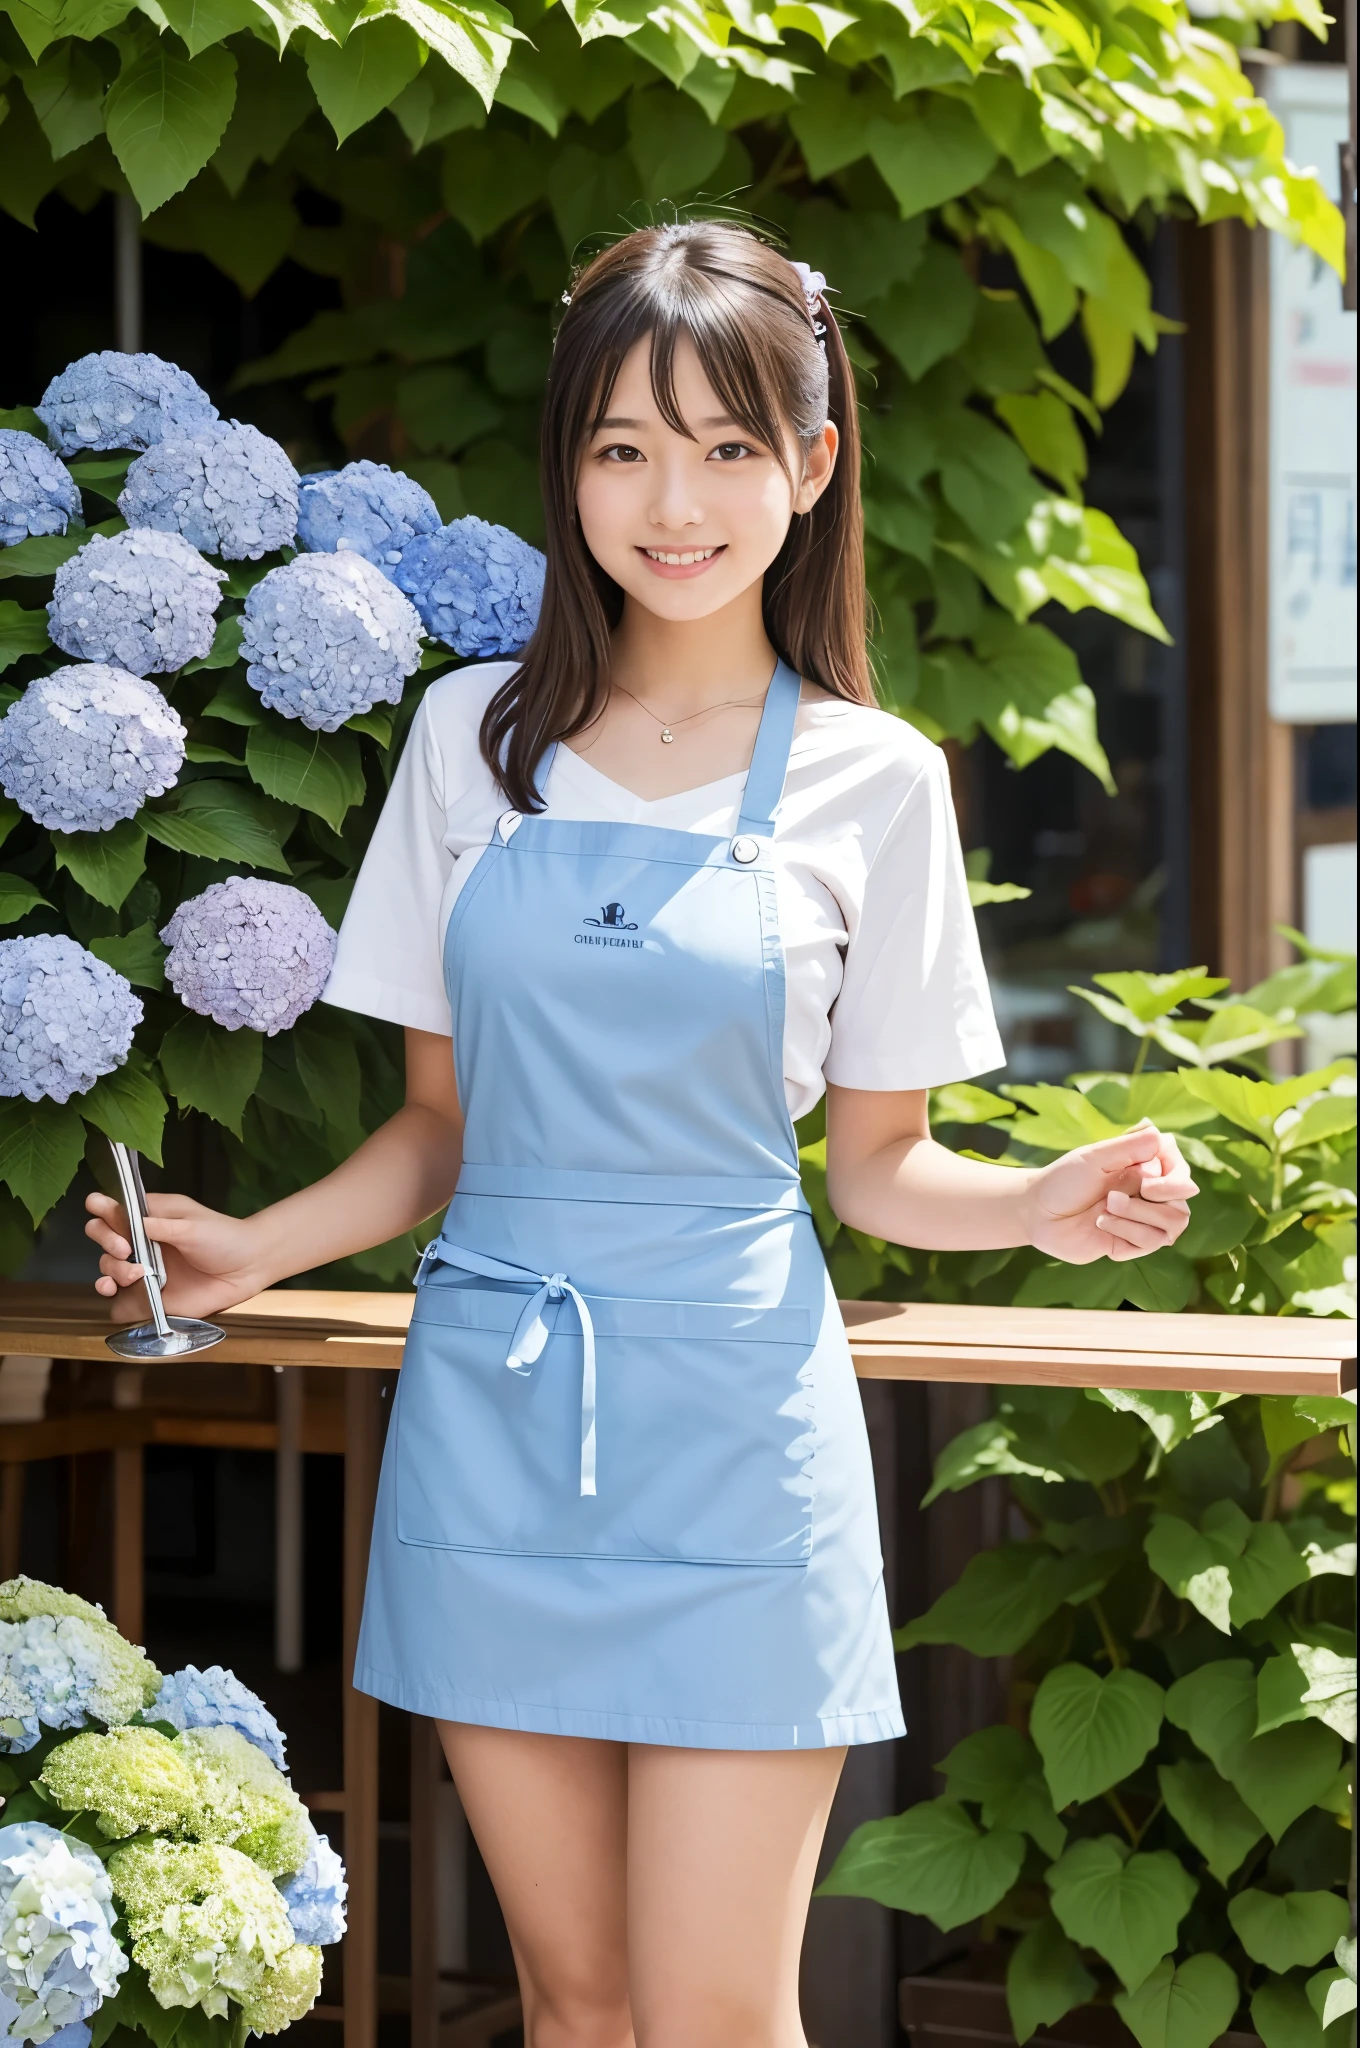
[661, 883]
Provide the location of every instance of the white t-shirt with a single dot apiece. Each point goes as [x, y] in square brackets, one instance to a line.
[886, 987]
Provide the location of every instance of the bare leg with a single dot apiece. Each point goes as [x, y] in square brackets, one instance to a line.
[550, 1814]
[722, 1851]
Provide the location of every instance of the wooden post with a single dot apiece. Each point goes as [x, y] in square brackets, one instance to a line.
[11, 1518]
[128, 1565]
[427, 1766]
[363, 1435]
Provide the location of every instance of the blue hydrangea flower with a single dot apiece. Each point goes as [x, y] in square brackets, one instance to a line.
[315, 1897]
[248, 952]
[367, 507]
[227, 488]
[327, 637]
[216, 1698]
[59, 1960]
[65, 1670]
[37, 493]
[477, 587]
[140, 599]
[110, 400]
[65, 1018]
[87, 746]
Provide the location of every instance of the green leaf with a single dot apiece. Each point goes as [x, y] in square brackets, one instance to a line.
[998, 1770]
[1148, 997]
[43, 555]
[1332, 1995]
[1278, 1775]
[138, 954]
[41, 1145]
[931, 1860]
[1093, 1732]
[225, 650]
[233, 701]
[1004, 1595]
[21, 633]
[165, 116]
[1232, 1570]
[929, 317]
[1181, 2006]
[222, 821]
[321, 772]
[200, 23]
[1127, 1908]
[1047, 431]
[929, 150]
[104, 864]
[1170, 1416]
[128, 1107]
[328, 1068]
[1283, 2017]
[355, 80]
[960, 1102]
[1045, 1979]
[1192, 1567]
[673, 144]
[1208, 1810]
[1163, 1282]
[1287, 1932]
[1256, 1106]
[17, 898]
[211, 1069]
[1310, 1679]
[984, 1452]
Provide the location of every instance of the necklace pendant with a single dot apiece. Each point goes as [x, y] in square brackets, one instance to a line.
[667, 736]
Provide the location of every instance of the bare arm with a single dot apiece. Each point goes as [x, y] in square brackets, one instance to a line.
[399, 1176]
[887, 1176]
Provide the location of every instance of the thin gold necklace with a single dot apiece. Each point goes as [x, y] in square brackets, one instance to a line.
[667, 736]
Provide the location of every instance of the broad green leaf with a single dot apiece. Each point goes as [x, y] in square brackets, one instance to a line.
[998, 1770]
[674, 146]
[1289, 1931]
[1127, 1908]
[1181, 2006]
[1332, 1995]
[1208, 1810]
[355, 80]
[1169, 1416]
[1255, 1106]
[200, 23]
[1283, 2017]
[1330, 1117]
[1045, 1979]
[165, 115]
[225, 650]
[927, 150]
[1267, 1569]
[1150, 996]
[1047, 431]
[1092, 1732]
[1056, 1284]
[43, 555]
[1192, 1567]
[321, 772]
[1235, 1030]
[1062, 1118]
[1314, 1680]
[1324, 1549]
[932, 1859]
[221, 821]
[1102, 572]
[1279, 1775]
[1004, 1595]
[128, 1107]
[1163, 1282]
[211, 1069]
[106, 865]
[233, 701]
[18, 897]
[21, 633]
[41, 1145]
[138, 954]
[328, 1068]
[930, 316]
[960, 1102]
[984, 1452]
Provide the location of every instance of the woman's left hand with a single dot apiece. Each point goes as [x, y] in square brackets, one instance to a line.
[1122, 1199]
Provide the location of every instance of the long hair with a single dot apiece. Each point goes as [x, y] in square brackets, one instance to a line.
[775, 365]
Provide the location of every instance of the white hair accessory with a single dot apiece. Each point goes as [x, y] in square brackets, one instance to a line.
[814, 287]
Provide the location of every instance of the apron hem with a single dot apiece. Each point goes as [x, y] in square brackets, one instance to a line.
[825, 1731]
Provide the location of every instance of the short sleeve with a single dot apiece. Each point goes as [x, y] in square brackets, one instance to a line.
[914, 1009]
[388, 963]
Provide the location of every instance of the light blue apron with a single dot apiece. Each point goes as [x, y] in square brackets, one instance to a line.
[626, 1491]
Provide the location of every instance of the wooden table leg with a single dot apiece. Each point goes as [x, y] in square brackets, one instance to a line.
[426, 1775]
[128, 1563]
[363, 1423]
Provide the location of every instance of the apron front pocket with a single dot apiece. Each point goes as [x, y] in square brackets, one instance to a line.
[704, 1429]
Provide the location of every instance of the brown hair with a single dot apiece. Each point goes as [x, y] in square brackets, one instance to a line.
[742, 304]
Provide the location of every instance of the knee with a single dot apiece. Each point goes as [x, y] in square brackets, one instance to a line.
[566, 2016]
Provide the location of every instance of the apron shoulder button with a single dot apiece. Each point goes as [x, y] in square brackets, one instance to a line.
[508, 823]
[745, 850]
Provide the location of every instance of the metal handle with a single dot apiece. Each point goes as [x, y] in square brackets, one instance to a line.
[144, 1250]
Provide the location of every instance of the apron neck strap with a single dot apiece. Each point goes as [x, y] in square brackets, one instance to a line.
[770, 760]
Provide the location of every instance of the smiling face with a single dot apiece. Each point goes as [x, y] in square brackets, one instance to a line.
[686, 526]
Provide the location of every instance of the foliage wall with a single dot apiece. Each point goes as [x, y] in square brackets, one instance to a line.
[974, 178]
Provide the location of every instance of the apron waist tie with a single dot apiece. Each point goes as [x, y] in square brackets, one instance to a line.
[531, 1331]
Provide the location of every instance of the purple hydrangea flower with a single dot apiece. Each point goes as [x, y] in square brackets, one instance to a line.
[327, 637]
[110, 400]
[87, 746]
[216, 1698]
[477, 587]
[142, 600]
[37, 493]
[315, 1896]
[226, 487]
[65, 1018]
[248, 952]
[366, 507]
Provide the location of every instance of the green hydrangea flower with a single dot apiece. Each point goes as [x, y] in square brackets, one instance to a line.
[131, 1779]
[207, 1925]
[284, 1993]
[22, 1598]
[244, 1799]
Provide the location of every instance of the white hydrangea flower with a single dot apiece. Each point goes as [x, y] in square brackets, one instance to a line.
[59, 1960]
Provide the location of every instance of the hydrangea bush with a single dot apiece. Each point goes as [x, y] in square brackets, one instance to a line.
[156, 1859]
[195, 738]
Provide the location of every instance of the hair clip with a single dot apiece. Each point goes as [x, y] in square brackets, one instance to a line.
[814, 289]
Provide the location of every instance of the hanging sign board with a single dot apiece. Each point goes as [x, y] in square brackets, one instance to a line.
[1312, 432]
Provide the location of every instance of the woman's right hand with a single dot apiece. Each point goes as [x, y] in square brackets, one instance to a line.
[212, 1261]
